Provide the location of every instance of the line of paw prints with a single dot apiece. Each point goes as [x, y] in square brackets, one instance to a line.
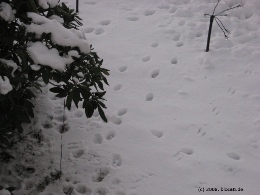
[100, 175]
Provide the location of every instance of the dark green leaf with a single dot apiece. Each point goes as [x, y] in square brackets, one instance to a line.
[61, 95]
[37, 86]
[102, 114]
[105, 80]
[100, 85]
[89, 110]
[45, 76]
[10, 189]
[105, 71]
[24, 63]
[76, 97]
[84, 92]
[102, 104]
[57, 90]
[100, 94]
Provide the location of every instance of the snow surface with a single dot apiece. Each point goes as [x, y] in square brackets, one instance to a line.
[59, 19]
[10, 63]
[41, 54]
[180, 119]
[45, 4]
[6, 12]
[5, 86]
[59, 34]
[4, 192]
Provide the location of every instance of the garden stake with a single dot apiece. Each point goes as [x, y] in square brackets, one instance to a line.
[77, 6]
[218, 21]
[209, 33]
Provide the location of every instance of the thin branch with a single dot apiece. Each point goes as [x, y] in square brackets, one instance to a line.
[223, 15]
[221, 28]
[215, 7]
[222, 24]
[61, 144]
[229, 9]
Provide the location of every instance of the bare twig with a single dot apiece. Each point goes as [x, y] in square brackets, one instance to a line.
[216, 18]
[229, 9]
[215, 7]
[221, 29]
[213, 17]
[62, 130]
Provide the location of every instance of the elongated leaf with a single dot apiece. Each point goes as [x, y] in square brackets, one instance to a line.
[102, 114]
[102, 104]
[105, 80]
[10, 189]
[76, 97]
[61, 95]
[100, 85]
[57, 90]
[89, 110]
[100, 94]
[37, 86]
[105, 71]
[45, 76]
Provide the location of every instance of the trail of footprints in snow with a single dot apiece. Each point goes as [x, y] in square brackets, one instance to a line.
[99, 30]
[187, 151]
[215, 110]
[174, 60]
[179, 44]
[122, 68]
[146, 58]
[232, 91]
[233, 155]
[201, 132]
[56, 120]
[149, 96]
[98, 139]
[133, 18]
[149, 12]
[116, 160]
[157, 133]
[90, 3]
[76, 149]
[80, 188]
[115, 119]
[155, 44]
[117, 87]
[99, 175]
[155, 73]
[183, 152]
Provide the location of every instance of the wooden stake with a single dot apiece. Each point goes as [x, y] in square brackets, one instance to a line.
[77, 6]
[209, 33]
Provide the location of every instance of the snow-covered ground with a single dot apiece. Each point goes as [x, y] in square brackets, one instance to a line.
[180, 120]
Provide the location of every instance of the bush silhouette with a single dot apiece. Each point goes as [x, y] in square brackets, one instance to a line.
[41, 41]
